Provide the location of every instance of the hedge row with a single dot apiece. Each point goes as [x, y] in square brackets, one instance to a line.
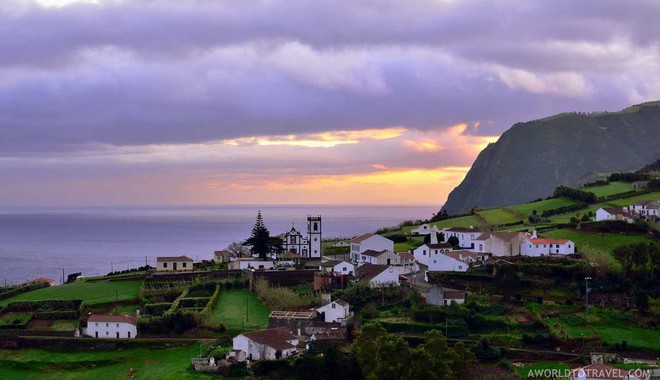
[194, 302]
[213, 301]
[44, 306]
[60, 314]
[22, 289]
[455, 329]
[157, 308]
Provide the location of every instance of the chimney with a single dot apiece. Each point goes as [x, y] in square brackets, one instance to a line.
[534, 236]
[137, 312]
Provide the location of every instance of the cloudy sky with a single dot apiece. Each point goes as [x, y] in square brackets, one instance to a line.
[297, 101]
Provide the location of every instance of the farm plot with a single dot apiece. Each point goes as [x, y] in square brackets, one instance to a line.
[90, 292]
[239, 309]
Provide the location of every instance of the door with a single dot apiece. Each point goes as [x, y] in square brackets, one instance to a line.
[129, 334]
[388, 261]
[117, 334]
[96, 334]
[174, 266]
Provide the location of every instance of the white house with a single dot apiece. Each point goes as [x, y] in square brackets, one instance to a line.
[535, 246]
[372, 242]
[424, 229]
[423, 252]
[646, 209]
[452, 261]
[384, 257]
[174, 264]
[339, 267]
[336, 311]
[499, 243]
[465, 236]
[111, 326]
[250, 263]
[613, 213]
[265, 344]
[378, 276]
[438, 296]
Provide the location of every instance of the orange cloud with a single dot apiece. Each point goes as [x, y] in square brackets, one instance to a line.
[321, 140]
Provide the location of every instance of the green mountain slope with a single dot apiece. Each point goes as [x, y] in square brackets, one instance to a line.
[531, 159]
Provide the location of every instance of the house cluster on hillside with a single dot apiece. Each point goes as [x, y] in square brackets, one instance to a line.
[646, 210]
[291, 333]
[476, 247]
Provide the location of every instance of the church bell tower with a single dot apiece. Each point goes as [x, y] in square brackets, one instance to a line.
[314, 232]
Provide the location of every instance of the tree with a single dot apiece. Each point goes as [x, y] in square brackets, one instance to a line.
[453, 240]
[261, 241]
[237, 249]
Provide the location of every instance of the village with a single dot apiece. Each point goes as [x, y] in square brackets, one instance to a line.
[509, 292]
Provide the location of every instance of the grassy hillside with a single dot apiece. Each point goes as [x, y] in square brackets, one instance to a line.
[141, 363]
[90, 292]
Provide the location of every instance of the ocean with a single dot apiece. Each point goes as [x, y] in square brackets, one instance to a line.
[42, 242]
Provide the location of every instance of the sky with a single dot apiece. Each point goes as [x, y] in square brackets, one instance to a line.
[141, 102]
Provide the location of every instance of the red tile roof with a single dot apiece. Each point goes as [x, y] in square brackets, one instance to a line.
[548, 241]
[369, 271]
[173, 258]
[361, 238]
[278, 338]
[106, 318]
[439, 246]
[457, 255]
[372, 253]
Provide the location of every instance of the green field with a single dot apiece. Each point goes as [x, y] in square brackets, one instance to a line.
[540, 206]
[603, 242]
[462, 221]
[19, 318]
[498, 216]
[653, 196]
[139, 363]
[90, 292]
[611, 189]
[239, 309]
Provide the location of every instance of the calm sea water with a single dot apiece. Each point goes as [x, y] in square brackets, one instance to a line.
[93, 240]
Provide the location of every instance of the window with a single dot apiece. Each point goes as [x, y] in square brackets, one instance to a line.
[316, 227]
[184, 265]
[333, 305]
[107, 333]
[460, 267]
[344, 269]
[424, 252]
[107, 325]
[97, 325]
[117, 324]
[391, 270]
[164, 265]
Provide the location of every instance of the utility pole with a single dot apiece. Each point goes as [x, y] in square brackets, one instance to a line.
[112, 267]
[62, 276]
[587, 289]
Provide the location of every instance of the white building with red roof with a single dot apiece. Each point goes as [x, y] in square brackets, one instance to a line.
[265, 344]
[111, 326]
[535, 246]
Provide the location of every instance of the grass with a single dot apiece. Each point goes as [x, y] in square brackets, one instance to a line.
[654, 196]
[540, 206]
[64, 325]
[603, 242]
[528, 369]
[90, 292]
[20, 317]
[462, 221]
[140, 363]
[498, 216]
[410, 243]
[610, 189]
[237, 305]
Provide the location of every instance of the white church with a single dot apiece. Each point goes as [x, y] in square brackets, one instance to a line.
[306, 246]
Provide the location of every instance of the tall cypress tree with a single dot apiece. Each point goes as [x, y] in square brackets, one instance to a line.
[260, 240]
